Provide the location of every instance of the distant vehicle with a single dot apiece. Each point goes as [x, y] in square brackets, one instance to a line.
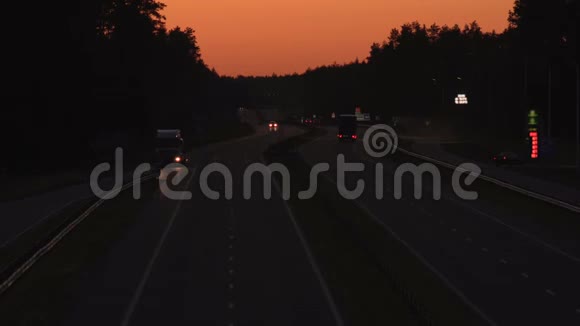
[506, 158]
[273, 126]
[169, 147]
[312, 121]
[347, 127]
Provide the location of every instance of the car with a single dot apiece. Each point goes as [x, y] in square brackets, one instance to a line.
[506, 158]
[273, 126]
[309, 121]
[347, 128]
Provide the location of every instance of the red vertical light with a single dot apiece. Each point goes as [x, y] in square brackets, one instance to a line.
[535, 144]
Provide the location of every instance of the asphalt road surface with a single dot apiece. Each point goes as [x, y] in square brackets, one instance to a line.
[210, 262]
[493, 251]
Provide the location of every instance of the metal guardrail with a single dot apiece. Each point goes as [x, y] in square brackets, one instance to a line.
[500, 183]
[50, 244]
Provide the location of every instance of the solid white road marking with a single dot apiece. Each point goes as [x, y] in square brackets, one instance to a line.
[500, 183]
[62, 234]
[422, 259]
[40, 221]
[139, 291]
[325, 290]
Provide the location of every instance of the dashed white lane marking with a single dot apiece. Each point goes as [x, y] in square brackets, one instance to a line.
[231, 259]
[231, 286]
[468, 239]
[520, 232]
[453, 230]
[550, 292]
[578, 311]
[503, 261]
[484, 249]
[231, 305]
[231, 272]
[524, 275]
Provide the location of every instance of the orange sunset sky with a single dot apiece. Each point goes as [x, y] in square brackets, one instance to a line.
[261, 37]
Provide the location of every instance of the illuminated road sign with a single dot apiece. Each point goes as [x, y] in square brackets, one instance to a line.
[532, 118]
[461, 99]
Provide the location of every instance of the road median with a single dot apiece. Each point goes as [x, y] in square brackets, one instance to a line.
[373, 277]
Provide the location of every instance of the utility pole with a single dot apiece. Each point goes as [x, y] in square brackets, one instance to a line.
[577, 119]
[549, 100]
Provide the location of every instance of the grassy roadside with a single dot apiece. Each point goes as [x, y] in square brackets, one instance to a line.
[374, 278]
[517, 209]
[556, 169]
[17, 187]
[41, 295]
[21, 248]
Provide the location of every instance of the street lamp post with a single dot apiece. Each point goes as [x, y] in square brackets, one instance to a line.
[549, 100]
[435, 82]
[577, 119]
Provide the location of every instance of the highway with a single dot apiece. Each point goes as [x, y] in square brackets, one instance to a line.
[497, 252]
[206, 262]
[511, 259]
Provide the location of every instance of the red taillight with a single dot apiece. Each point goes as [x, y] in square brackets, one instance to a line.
[505, 158]
[275, 125]
[354, 136]
[177, 159]
[270, 125]
[339, 136]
